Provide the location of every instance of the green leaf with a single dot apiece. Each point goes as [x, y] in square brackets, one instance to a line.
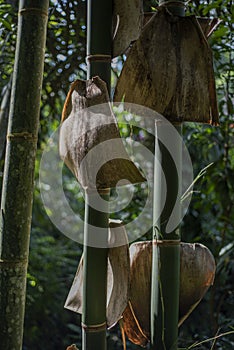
[6, 24]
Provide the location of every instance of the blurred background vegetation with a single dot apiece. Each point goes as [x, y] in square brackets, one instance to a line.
[209, 220]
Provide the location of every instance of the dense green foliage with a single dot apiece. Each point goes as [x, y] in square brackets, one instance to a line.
[210, 219]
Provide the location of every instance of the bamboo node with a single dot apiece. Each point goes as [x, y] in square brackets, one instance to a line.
[25, 136]
[103, 191]
[26, 11]
[94, 328]
[13, 263]
[98, 58]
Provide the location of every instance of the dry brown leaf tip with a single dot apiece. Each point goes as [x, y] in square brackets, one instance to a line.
[72, 347]
[93, 91]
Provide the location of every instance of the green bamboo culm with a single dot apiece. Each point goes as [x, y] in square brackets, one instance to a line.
[17, 191]
[99, 46]
[95, 273]
[166, 245]
[99, 39]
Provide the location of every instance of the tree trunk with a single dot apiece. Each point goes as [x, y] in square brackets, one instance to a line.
[17, 192]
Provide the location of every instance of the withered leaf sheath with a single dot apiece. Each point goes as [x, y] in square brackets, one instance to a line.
[118, 277]
[197, 270]
[169, 69]
[90, 143]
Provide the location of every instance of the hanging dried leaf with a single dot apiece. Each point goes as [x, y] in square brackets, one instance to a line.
[90, 143]
[197, 269]
[75, 296]
[196, 276]
[169, 69]
[127, 23]
[140, 270]
[132, 328]
[118, 276]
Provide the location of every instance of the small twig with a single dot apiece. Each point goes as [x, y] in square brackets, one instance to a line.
[122, 333]
[207, 340]
[214, 341]
[189, 189]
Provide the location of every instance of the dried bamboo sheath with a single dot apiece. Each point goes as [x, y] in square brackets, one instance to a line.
[90, 143]
[129, 283]
[126, 30]
[197, 270]
[118, 277]
[169, 69]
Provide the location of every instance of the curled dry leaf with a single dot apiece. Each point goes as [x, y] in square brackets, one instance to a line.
[118, 276]
[72, 347]
[127, 23]
[196, 276]
[132, 327]
[197, 270]
[169, 69]
[90, 143]
[118, 273]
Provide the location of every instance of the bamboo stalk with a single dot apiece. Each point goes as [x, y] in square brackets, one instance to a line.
[99, 44]
[166, 248]
[95, 275]
[166, 254]
[17, 193]
[99, 39]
